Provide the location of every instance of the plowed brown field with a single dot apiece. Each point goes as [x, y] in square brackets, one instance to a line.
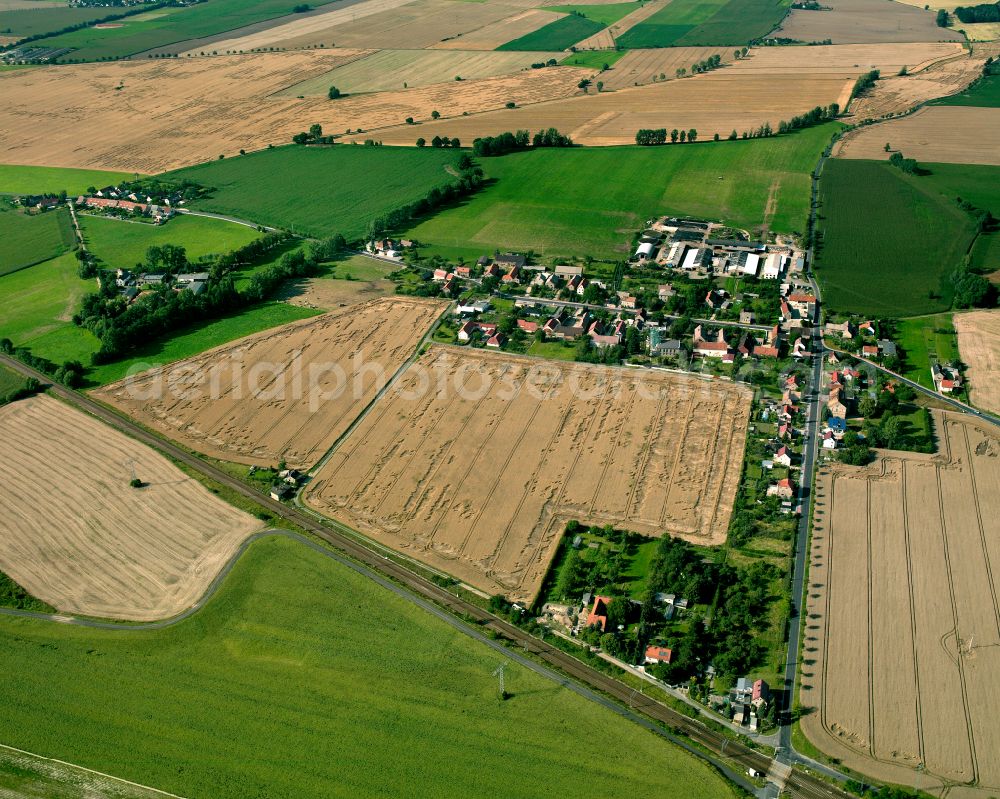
[474, 461]
[76, 535]
[184, 111]
[717, 102]
[284, 394]
[979, 348]
[903, 630]
[864, 21]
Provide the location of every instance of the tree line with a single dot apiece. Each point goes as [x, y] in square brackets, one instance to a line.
[984, 12]
[507, 142]
[864, 83]
[657, 136]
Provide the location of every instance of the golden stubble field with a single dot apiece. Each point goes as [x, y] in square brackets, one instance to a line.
[902, 640]
[716, 102]
[284, 394]
[173, 113]
[474, 462]
[76, 535]
[979, 347]
[864, 22]
[935, 134]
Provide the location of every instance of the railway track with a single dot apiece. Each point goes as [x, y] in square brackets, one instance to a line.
[723, 749]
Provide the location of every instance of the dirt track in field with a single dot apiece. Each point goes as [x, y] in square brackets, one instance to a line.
[284, 394]
[76, 535]
[979, 349]
[605, 39]
[934, 134]
[474, 462]
[717, 102]
[903, 631]
[864, 21]
[170, 114]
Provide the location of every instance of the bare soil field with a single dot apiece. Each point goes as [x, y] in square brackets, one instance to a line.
[979, 348]
[846, 59]
[389, 70]
[474, 461]
[77, 536]
[605, 39]
[900, 93]
[417, 23]
[638, 67]
[717, 102]
[864, 21]
[903, 632]
[284, 394]
[491, 36]
[184, 111]
[936, 134]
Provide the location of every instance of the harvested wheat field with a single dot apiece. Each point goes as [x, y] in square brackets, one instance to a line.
[474, 461]
[935, 134]
[605, 39]
[900, 93]
[179, 112]
[864, 21]
[716, 102]
[418, 23]
[638, 67]
[847, 59]
[398, 69]
[491, 36]
[284, 394]
[328, 295]
[903, 634]
[77, 536]
[979, 348]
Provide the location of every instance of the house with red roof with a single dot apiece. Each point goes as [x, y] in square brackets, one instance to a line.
[599, 613]
[783, 489]
[658, 654]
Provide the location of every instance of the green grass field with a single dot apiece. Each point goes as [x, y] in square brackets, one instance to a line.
[558, 35]
[595, 59]
[591, 201]
[123, 244]
[30, 239]
[303, 679]
[926, 340]
[985, 93]
[198, 338]
[604, 14]
[320, 191]
[16, 179]
[361, 267]
[166, 26]
[23, 22]
[36, 305]
[9, 381]
[706, 23]
[891, 240]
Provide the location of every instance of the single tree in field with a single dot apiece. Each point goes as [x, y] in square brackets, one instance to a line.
[692, 134]
[887, 147]
[684, 134]
[435, 114]
[673, 136]
[456, 143]
[583, 84]
[409, 120]
[421, 142]
[600, 85]
[316, 131]
[334, 93]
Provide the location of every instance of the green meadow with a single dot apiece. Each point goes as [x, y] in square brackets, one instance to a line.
[304, 679]
[591, 201]
[706, 23]
[559, 35]
[15, 179]
[27, 239]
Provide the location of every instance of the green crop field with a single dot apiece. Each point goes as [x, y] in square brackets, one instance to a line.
[119, 243]
[706, 23]
[926, 340]
[9, 381]
[303, 679]
[558, 35]
[16, 179]
[320, 191]
[30, 239]
[200, 337]
[595, 59]
[36, 305]
[604, 14]
[985, 93]
[890, 240]
[46, 18]
[591, 201]
[167, 26]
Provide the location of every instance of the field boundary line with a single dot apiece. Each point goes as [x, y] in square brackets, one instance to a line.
[982, 529]
[91, 771]
[913, 616]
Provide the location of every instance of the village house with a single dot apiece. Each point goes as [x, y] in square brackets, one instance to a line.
[496, 341]
[604, 336]
[463, 271]
[835, 404]
[510, 259]
[658, 654]
[568, 328]
[527, 326]
[709, 348]
[783, 457]
[947, 379]
[783, 489]
[472, 307]
[513, 276]
[844, 329]
[441, 275]
[598, 614]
